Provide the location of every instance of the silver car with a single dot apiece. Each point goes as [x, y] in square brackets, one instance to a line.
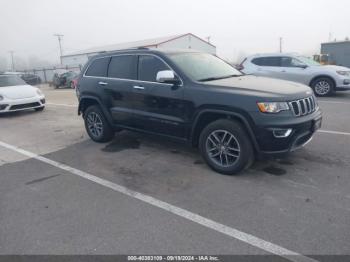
[323, 79]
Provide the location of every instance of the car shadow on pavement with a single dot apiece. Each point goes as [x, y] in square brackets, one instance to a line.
[18, 113]
[173, 151]
[273, 165]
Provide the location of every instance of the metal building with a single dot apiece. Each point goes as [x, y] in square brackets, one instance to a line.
[184, 41]
[338, 52]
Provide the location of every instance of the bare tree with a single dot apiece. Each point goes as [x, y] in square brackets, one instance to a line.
[36, 62]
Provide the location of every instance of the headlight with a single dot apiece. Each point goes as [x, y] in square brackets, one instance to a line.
[38, 91]
[1, 98]
[343, 73]
[272, 107]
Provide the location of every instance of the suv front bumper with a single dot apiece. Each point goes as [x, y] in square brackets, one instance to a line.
[302, 133]
[343, 83]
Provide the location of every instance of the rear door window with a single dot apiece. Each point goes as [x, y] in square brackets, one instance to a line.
[149, 66]
[267, 61]
[123, 66]
[98, 67]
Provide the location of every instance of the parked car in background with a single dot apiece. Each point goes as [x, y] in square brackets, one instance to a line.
[198, 98]
[66, 79]
[31, 79]
[74, 83]
[323, 79]
[17, 95]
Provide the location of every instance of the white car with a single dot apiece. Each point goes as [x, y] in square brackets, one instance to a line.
[16, 95]
[323, 79]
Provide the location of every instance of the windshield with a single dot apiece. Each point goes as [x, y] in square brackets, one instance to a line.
[203, 67]
[11, 80]
[308, 61]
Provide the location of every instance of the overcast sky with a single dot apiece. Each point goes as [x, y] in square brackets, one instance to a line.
[235, 27]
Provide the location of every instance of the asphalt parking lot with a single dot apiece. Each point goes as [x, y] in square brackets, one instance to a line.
[142, 194]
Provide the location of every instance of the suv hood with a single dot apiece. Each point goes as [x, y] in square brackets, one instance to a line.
[263, 87]
[334, 68]
[18, 92]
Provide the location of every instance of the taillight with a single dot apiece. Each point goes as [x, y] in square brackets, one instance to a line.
[75, 83]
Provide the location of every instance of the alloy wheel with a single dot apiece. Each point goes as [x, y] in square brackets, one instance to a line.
[223, 148]
[322, 87]
[94, 123]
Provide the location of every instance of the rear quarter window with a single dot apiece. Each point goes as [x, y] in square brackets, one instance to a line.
[98, 67]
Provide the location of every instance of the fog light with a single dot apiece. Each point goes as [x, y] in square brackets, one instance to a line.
[281, 133]
[346, 81]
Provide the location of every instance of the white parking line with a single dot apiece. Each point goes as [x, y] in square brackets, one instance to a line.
[333, 102]
[226, 230]
[67, 105]
[333, 132]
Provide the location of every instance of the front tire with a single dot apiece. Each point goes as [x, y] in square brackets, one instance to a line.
[323, 86]
[97, 126]
[225, 147]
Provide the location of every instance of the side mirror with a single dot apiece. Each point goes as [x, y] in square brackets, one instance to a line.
[167, 76]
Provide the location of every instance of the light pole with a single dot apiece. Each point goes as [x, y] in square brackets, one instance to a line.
[59, 37]
[281, 43]
[12, 61]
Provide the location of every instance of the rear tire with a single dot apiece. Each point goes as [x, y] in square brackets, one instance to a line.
[97, 126]
[323, 86]
[225, 147]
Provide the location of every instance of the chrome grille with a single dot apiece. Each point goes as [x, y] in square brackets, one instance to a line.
[303, 106]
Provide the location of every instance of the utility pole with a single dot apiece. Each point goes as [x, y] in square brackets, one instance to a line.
[281, 43]
[330, 36]
[59, 37]
[12, 61]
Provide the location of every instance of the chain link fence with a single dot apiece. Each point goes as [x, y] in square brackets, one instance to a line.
[46, 74]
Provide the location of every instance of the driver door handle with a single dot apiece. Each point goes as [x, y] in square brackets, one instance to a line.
[102, 83]
[139, 87]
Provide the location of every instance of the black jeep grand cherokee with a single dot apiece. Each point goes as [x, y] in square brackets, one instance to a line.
[198, 98]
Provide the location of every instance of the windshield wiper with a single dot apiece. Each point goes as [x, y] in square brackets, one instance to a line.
[217, 78]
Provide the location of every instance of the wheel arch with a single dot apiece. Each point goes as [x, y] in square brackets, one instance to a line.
[322, 76]
[86, 101]
[208, 116]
